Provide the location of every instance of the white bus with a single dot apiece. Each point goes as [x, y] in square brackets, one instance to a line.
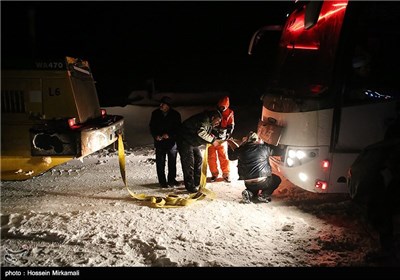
[334, 91]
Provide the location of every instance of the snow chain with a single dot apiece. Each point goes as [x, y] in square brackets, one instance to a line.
[171, 200]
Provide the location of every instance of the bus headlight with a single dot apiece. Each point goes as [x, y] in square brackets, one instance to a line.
[297, 157]
[290, 161]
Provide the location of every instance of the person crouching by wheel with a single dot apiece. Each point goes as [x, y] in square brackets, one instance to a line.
[254, 167]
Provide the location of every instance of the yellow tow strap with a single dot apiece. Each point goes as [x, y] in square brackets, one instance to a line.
[171, 200]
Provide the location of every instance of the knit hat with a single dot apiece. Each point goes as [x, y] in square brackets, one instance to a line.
[166, 100]
[224, 102]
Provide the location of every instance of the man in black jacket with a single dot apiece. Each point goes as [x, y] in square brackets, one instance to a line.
[164, 124]
[254, 167]
[194, 132]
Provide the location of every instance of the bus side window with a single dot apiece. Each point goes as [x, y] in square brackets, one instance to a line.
[360, 82]
[375, 58]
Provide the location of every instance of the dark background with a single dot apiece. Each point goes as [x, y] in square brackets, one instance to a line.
[182, 46]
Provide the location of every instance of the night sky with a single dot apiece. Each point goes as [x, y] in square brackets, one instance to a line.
[183, 46]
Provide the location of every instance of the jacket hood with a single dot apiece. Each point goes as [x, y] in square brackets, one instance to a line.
[224, 102]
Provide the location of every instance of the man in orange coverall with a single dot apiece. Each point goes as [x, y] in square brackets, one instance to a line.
[222, 132]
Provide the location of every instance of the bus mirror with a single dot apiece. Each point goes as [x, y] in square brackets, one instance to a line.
[312, 14]
[259, 34]
[253, 42]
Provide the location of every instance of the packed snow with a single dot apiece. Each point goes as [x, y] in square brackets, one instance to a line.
[80, 214]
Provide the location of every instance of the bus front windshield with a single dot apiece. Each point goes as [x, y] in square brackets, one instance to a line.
[304, 73]
[307, 54]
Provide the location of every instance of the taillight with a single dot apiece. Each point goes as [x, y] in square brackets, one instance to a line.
[72, 122]
[319, 184]
[103, 112]
[325, 164]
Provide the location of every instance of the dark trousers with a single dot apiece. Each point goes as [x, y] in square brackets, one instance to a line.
[191, 161]
[268, 186]
[161, 156]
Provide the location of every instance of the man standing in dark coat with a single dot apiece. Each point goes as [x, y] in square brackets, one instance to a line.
[254, 167]
[194, 132]
[164, 124]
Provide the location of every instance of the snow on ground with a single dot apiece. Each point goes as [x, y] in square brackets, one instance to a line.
[81, 215]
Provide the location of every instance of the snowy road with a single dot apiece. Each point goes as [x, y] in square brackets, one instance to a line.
[80, 214]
